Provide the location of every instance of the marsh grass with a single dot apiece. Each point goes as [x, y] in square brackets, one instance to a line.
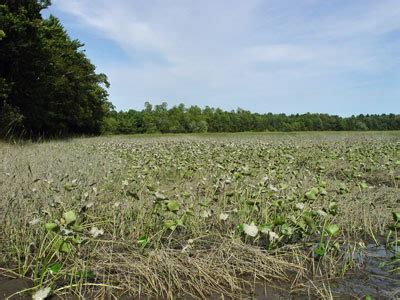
[150, 210]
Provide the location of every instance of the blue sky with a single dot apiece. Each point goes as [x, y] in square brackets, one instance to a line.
[335, 56]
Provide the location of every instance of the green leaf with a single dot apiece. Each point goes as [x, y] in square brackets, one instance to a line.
[396, 216]
[51, 226]
[279, 220]
[265, 228]
[332, 229]
[312, 194]
[319, 251]
[69, 217]
[309, 220]
[333, 207]
[77, 228]
[143, 241]
[173, 206]
[170, 224]
[63, 246]
[54, 268]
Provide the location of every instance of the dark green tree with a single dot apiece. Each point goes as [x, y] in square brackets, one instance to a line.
[48, 87]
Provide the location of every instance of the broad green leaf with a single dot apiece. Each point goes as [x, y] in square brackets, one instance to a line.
[69, 217]
[54, 268]
[322, 191]
[170, 224]
[332, 229]
[62, 246]
[51, 226]
[173, 206]
[333, 207]
[311, 195]
[265, 228]
[77, 228]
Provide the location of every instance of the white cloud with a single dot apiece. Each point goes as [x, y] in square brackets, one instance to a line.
[278, 53]
[114, 22]
[229, 49]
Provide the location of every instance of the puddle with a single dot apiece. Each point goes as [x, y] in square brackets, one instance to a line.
[371, 278]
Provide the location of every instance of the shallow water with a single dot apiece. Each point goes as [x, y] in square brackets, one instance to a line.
[372, 278]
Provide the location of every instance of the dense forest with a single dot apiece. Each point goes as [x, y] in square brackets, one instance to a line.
[49, 88]
[159, 118]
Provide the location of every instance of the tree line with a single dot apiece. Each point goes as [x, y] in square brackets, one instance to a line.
[181, 119]
[49, 88]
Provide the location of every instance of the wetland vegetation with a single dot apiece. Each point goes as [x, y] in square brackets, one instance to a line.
[232, 215]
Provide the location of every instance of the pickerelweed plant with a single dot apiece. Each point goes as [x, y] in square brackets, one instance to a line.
[62, 243]
[288, 222]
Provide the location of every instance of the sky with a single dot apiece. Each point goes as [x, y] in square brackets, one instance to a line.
[282, 56]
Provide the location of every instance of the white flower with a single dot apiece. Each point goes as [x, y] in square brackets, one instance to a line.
[95, 232]
[272, 236]
[300, 206]
[223, 216]
[251, 229]
[41, 294]
[206, 213]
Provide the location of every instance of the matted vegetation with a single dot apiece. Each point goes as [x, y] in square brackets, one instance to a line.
[200, 215]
